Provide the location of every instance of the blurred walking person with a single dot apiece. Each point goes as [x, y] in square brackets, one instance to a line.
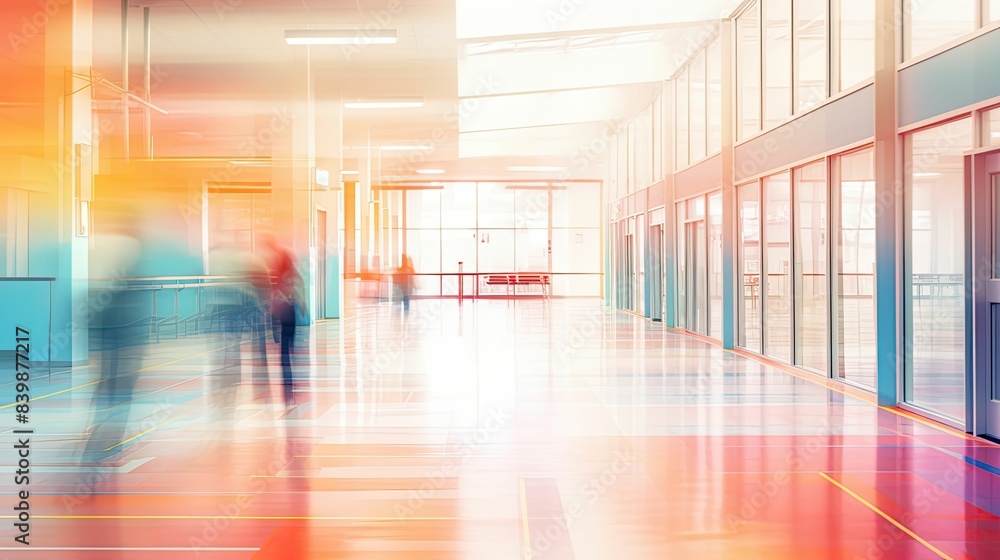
[404, 280]
[119, 330]
[287, 302]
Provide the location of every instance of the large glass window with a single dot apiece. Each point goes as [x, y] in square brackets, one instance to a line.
[935, 338]
[697, 107]
[928, 24]
[748, 73]
[642, 154]
[855, 55]
[855, 269]
[681, 118]
[992, 8]
[811, 55]
[778, 261]
[777, 62]
[749, 266]
[715, 97]
[991, 127]
[496, 206]
[811, 250]
[499, 228]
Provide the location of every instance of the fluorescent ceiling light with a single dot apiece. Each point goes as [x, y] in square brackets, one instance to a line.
[430, 171]
[405, 148]
[532, 169]
[340, 37]
[926, 174]
[386, 104]
[250, 162]
[348, 172]
[995, 134]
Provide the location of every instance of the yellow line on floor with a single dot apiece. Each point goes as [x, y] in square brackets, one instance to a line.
[524, 519]
[140, 434]
[130, 373]
[886, 516]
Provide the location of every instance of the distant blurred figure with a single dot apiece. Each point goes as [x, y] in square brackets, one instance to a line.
[119, 329]
[287, 301]
[404, 279]
[236, 311]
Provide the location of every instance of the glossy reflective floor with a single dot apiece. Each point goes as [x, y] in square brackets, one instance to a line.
[506, 430]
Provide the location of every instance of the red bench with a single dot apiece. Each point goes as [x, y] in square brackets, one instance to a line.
[512, 281]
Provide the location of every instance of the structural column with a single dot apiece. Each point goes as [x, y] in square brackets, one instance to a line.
[889, 203]
[292, 125]
[730, 286]
[68, 139]
[329, 143]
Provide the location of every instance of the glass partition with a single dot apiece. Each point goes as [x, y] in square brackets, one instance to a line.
[748, 73]
[499, 228]
[697, 97]
[749, 266]
[935, 257]
[854, 317]
[928, 24]
[811, 262]
[855, 52]
[811, 53]
[778, 262]
[777, 59]
[681, 113]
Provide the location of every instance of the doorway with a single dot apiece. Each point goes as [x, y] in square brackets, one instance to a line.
[321, 264]
[696, 273]
[656, 273]
[985, 300]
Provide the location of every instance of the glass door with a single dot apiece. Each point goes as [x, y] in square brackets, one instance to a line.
[985, 210]
[697, 275]
[656, 273]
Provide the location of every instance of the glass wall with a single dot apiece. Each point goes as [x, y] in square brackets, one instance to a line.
[715, 97]
[576, 240]
[698, 106]
[854, 317]
[928, 24]
[778, 262]
[991, 127]
[697, 100]
[681, 114]
[789, 46]
[748, 209]
[503, 228]
[811, 53]
[855, 42]
[699, 265]
[811, 261]
[935, 260]
[748, 73]
[777, 62]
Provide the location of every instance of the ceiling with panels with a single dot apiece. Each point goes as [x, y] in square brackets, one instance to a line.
[513, 83]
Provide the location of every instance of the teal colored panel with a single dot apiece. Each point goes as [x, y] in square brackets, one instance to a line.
[31, 312]
[956, 78]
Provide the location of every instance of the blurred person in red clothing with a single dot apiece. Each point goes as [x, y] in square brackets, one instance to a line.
[287, 302]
